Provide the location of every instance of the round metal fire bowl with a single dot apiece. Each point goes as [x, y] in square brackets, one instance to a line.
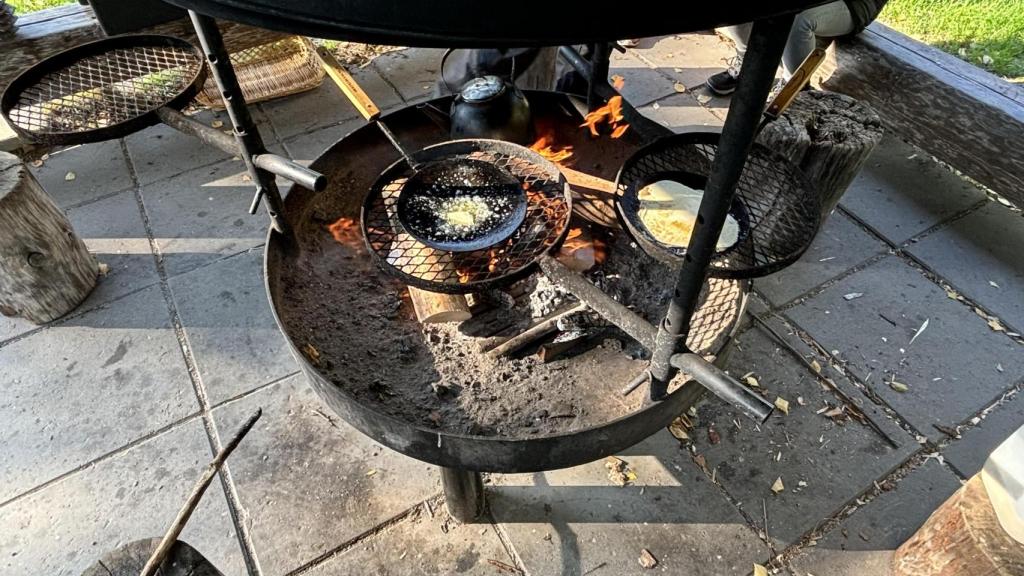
[307, 213]
[476, 24]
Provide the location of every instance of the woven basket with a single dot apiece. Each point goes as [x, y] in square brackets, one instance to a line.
[266, 71]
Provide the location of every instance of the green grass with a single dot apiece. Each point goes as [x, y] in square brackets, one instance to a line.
[26, 6]
[986, 33]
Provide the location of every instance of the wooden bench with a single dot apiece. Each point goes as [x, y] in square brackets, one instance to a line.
[962, 115]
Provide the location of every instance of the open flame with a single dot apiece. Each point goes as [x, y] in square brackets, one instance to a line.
[547, 145]
[582, 251]
[610, 114]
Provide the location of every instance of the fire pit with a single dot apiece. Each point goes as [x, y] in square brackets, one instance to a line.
[452, 395]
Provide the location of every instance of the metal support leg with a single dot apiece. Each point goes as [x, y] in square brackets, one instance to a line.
[767, 39]
[249, 140]
[463, 493]
[599, 62]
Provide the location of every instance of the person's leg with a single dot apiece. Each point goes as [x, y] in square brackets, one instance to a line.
[829, 20]
[724, 83]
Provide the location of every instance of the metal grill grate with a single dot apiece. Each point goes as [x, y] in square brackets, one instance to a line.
[544, 228]
[95, 89]
[777, 210]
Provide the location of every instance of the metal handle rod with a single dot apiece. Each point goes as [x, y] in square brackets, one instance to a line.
[630, 322]
[767, 39]
[250, 143]
[270, 162]
[724, 386]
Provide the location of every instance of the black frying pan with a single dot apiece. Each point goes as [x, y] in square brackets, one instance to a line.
[455, 205]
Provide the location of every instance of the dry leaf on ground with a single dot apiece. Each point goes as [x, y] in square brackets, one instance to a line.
[70, 176]
[898, 386]
[647, 560]
[778, 486]
[760, 570]
[679, 87]
[782, 404]
[816, 366]
[619, 471]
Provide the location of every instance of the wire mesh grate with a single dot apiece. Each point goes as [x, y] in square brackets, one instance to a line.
[544, 227]
[778, 211]
[103, 89]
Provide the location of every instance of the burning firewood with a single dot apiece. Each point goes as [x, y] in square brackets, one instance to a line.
[535, 332]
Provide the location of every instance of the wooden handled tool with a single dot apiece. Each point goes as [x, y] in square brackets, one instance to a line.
[796, 83]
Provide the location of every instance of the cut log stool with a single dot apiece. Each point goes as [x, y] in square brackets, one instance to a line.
[829, 136]
[963, 537]
[45, 268]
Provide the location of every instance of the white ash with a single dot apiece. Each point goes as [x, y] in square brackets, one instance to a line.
[547, 297]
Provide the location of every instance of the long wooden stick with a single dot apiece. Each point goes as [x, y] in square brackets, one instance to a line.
[192, 502]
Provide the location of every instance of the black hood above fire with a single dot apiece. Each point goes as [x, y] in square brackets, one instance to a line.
[480, 24]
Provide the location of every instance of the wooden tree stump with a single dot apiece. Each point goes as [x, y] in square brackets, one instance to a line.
[829, 136]
[45, 268]
[963, 537]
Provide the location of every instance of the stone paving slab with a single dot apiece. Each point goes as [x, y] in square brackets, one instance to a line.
[978, 250]
[836, 461]
[863, 543]
[681, 113]
[76, 391]
[310, 483]
[135, 494]
[642, 84]
[968, 454]
[414, 72]
[422, 545]
[305, 148]
[112, 229]
[326, 105]
[691, 59]
[572, 521]
[203, 215]
[839, 246]
[99, 169]
[160, 151]
[901, 192]
[230, 328]
[951, 367]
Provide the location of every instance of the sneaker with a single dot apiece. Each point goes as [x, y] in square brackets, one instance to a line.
[724, 83]
[629, 42]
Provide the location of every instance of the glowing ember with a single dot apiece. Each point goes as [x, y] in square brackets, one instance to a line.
[610, 114]
[344, 230]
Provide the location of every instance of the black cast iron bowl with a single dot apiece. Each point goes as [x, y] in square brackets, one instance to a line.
[460, 451]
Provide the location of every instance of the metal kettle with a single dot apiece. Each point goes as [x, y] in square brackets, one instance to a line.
[491, 107]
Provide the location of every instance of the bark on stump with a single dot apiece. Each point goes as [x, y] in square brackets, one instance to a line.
[963, 537]
[45, 268]
[829, 136]
[129, 559]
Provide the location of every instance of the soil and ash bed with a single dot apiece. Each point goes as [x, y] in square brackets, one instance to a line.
[358, 327]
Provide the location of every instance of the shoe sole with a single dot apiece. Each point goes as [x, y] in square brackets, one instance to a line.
[719, 92]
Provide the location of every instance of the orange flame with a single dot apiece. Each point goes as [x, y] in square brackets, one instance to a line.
[611, 114]
[546, 147]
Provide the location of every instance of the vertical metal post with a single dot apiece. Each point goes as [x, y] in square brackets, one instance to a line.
[600, 54]
[767, 40]
[463, 493]
[248, 136]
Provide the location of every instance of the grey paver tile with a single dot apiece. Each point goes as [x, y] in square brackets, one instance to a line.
[229, 326]
[305, 148]
[868, 537]
[968, 454]
[326, 105]
[950, 368]
[112, 229]
[161, 151]
[304, 477]
[901, 192]
[422, 545]
[11, 327]
[836, 461]
[689, 58]
[203, 215]
[840, 245]
[65, 527]
[79, 390]
[642, 84]
[977, 250]
[99, 169]
[413, 71]
[573, 520]
[682, 113]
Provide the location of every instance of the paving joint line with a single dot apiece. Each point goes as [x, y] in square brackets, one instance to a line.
[101, 197]
[811, 293]
[102, 458]
[410, 513]
[253, 391]
[227, 484]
